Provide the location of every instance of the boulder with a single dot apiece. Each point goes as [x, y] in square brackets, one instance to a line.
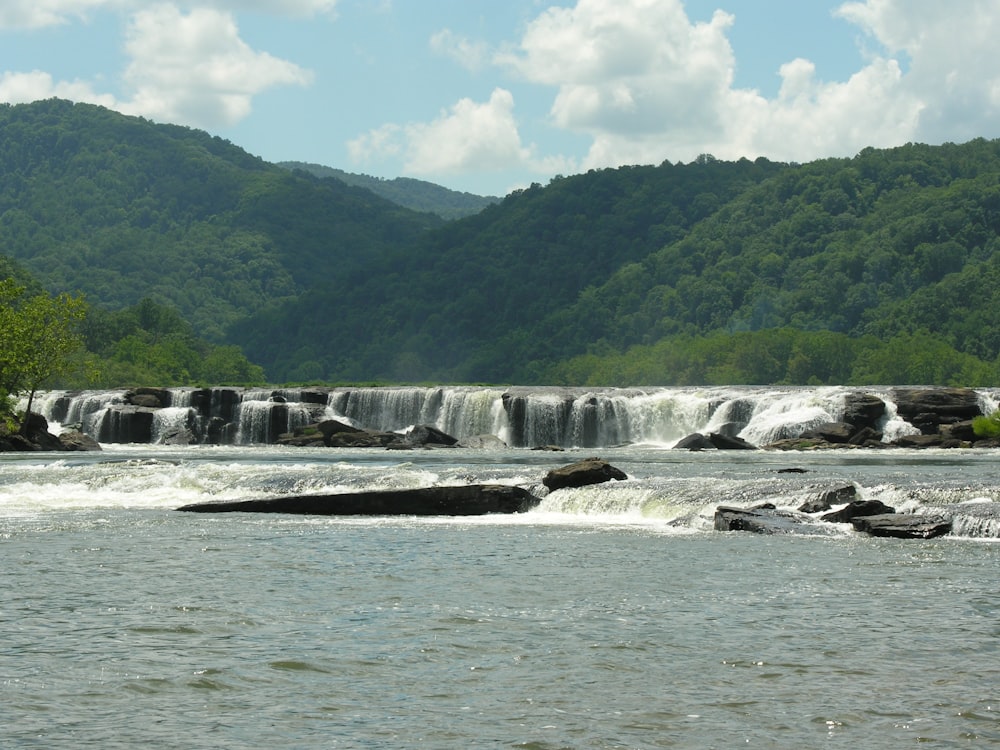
[863, 409]
[857, 509]
[425, 434]
[919, 441]
[961, 431]
[694, 442]
[867, 437]
[74, 440]
[831, 432]
[582, 473]
[763, 519]
[463, 500]
[730, 443]
[903, 525]
[828, 498]
[928, 408]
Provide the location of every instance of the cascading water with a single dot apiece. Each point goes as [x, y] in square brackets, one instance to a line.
[520, 416]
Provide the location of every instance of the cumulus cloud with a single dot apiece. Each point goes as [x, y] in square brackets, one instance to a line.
[470, 136]
[190, 68]
[19, 88]
[952, 71]
[647, 84]
[195, 69]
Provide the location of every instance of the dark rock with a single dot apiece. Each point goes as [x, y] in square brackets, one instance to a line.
[919, 441]
[828, 498]
[332, 427]
[961, 430]
[425, 434]
[798, 444]
[362, 439]
[727, 443]
[931, 406]
[74, 440]
[865, 436]
[857, 509]
[759, 520]
[582, 473]
[303, 437]
[551, 448]
[863, 410]
[694, 442]
[903, 525]
[465, 500]
[792, 470]
[831, 432]
[36, 429]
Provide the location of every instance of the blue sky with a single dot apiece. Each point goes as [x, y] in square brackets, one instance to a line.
[490, 95]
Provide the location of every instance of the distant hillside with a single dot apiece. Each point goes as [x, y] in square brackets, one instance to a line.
[120, 209]
[880, 268]
[417, 195]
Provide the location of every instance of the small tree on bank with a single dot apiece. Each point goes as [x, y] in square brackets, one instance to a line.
[38, 337]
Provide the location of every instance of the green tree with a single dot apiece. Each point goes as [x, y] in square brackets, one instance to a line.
[39, 336]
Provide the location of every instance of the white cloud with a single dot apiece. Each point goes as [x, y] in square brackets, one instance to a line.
[646, 84]
[192, 68]
[195, 69]
[20, 88]
[469, 54]
[470, 136]
[952, 71]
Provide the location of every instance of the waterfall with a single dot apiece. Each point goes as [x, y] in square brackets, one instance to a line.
[522, 417]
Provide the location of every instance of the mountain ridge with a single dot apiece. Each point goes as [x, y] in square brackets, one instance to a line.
[594, 277]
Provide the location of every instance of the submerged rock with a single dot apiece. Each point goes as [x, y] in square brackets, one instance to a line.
[582, 473]
[763, 519]
[828, 498]
[856, 509]
[462, 500]
[903, 525]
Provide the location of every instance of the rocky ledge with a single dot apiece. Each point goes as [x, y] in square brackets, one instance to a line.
[35, 436]
[463, 500]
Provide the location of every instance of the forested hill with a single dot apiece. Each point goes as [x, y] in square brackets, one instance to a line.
[885, 267]
[418, 195]
[123, 209]
[879, 268]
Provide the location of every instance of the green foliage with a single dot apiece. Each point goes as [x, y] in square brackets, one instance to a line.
[416, 195]
[38, 337]
[150, 343]
[123, 209]
[987, 426]
[783, 356]
[881, 268]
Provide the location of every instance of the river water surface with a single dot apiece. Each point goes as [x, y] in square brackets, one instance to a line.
[610, 617]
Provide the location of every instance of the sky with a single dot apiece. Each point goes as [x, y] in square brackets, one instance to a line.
[486, 96]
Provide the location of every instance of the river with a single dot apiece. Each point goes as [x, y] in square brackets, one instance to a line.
[611, 616]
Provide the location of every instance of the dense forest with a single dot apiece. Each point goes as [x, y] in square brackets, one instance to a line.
[882, 268]
[418, 195]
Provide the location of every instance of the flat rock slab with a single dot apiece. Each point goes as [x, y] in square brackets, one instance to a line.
[762, 521]
[903, 525]
[463, 500]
